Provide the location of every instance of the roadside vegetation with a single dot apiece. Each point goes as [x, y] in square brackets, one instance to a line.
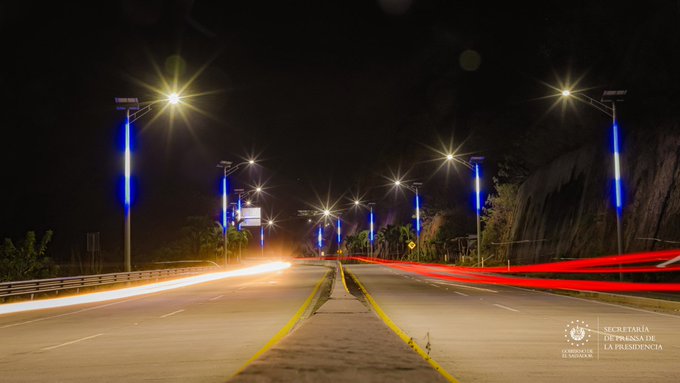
[27, 258]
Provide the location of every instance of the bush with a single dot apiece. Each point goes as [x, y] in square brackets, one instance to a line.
[28, 260]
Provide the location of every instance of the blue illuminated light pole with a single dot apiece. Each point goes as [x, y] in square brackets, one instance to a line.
[414, 188]
[262, 240]
[474, 164]
[319, 239]
[339, 232]
[609, 97]
[133, 111]
[241, 195]
[226, 165]
[228, 169]
[371, 232]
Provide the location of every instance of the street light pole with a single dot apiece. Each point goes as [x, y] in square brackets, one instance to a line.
[127, 250]
[609, 96]
[228, 170]
[474, 165]
[132, 104]
[617, 180]
[262, 240]
[478, 207]
[372, 229]
[225, 203]
[414, 188]
[417, 221]
[339, 233]
[319, 240]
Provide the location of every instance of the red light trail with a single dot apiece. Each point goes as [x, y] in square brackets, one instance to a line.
[630, 263]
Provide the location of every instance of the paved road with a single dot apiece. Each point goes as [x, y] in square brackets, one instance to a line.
[201, 333]
[502, 334]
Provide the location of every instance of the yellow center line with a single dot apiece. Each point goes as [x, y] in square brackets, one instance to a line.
[400, 333]
[286, 329]
[342, 275]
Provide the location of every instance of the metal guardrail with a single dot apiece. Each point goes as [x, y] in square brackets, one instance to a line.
[36, 286]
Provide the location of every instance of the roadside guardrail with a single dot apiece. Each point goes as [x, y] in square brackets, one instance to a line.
[36, 286]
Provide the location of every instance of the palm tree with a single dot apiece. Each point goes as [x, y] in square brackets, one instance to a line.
[392, 238]
[406, 234]
[237, 239]
[363, 240]
[381, 240]
[351, 243]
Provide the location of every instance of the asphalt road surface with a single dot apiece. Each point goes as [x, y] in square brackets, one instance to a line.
[482, 333]
[200, 333]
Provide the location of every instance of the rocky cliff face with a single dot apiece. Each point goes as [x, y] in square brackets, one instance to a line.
[567, 208]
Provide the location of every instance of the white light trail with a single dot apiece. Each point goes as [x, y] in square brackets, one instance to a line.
[139, 290]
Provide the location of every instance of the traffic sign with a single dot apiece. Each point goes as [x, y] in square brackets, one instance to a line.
[411, 245]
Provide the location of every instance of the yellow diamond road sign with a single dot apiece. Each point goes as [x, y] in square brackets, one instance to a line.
[411, 245]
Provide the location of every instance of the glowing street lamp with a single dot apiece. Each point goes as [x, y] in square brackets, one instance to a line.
[173, 98]
[609, 97]
[133, 111]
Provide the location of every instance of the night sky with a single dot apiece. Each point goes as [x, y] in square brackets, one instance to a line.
[331, 96]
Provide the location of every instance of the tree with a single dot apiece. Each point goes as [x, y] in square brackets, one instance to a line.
[406, 235]
[381, 242]
[203, 236]
[237, 239]
[28, 260]
[499, 215]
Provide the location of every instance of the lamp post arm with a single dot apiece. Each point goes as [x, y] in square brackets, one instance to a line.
[139, 113]
[602, 107]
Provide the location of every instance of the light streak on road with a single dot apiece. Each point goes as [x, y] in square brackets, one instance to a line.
[601, 265]
[140, 290]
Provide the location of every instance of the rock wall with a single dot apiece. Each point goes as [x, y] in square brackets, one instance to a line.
[566, 207]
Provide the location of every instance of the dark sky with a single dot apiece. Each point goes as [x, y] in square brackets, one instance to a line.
[332, 96]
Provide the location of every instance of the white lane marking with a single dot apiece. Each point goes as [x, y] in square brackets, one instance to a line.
[432, 284]
[172, 313]
[215, 298]
[468, 287]
[505, 307]
[241, 288]
[461, 294]
[597, 302]
[71, 342]
[676, 259]
[69, 313]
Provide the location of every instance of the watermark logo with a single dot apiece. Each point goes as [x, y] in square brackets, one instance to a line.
[577, 333]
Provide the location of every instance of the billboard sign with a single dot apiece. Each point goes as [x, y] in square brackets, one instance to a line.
[251, 217]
